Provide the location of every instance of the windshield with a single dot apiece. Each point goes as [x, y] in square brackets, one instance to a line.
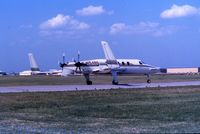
[141, 62]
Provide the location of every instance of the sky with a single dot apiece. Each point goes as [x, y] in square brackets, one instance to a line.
[163, 33]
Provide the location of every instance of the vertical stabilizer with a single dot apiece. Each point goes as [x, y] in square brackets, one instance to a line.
[110, 58]
[33, 64]
[111, 61]
[107, 51]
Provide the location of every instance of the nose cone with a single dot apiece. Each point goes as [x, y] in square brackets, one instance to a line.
[154, 70]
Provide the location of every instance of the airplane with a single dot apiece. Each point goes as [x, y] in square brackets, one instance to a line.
[35, 69]
[2, 73]
[109, 65]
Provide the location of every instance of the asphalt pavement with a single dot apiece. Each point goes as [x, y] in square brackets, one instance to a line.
[43, 88]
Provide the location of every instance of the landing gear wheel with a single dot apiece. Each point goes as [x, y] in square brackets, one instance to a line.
[148, 81]
[114, 83]
[89, 82]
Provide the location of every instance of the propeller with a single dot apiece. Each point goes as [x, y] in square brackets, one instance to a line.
[78, 64]
[63, 63]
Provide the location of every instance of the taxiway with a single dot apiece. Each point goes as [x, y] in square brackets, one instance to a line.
[43, 88]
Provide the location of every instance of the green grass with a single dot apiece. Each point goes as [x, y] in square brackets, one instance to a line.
[150, 110]
[80, 80]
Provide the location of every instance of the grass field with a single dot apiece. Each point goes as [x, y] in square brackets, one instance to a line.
[80, 80]
[150, 110]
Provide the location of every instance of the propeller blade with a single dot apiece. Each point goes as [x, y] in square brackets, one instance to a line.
[63, 56]
[63, 63]
[78, 56]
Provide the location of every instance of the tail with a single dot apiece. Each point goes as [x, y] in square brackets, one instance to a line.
[111, 61]
[33, 64]
[110, 58]
[107, 51]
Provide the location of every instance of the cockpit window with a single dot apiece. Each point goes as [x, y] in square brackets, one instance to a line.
[140, 62]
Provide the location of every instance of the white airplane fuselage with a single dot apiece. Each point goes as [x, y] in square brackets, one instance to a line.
[109, 65]
[126, 66]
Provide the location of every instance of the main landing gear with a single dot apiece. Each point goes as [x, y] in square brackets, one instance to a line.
[87, 77]
[114, 82]
[115, 79]
[89, 82]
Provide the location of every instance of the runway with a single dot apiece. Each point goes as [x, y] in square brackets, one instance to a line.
[43, 88]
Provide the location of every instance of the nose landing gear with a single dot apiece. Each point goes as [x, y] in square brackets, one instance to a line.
[148, 79]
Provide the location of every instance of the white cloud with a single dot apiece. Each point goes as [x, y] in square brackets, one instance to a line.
[150, 28]
[117, 28]
[62, 25]
[61, 21]
[91, 10]
[179, 11]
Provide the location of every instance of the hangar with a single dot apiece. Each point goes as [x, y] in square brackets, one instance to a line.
[195, 70]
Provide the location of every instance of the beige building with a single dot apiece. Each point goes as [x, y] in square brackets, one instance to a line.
[182, 70]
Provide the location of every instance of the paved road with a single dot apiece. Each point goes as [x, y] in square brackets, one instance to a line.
[91, 87]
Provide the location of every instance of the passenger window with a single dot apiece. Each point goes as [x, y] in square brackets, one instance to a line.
[128, 63]
[123, 63]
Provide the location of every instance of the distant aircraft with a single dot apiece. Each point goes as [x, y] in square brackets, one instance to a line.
[109, 65]
[35, 69]
[2, 73]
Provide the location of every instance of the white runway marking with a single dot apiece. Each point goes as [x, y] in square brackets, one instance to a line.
[15, 89]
